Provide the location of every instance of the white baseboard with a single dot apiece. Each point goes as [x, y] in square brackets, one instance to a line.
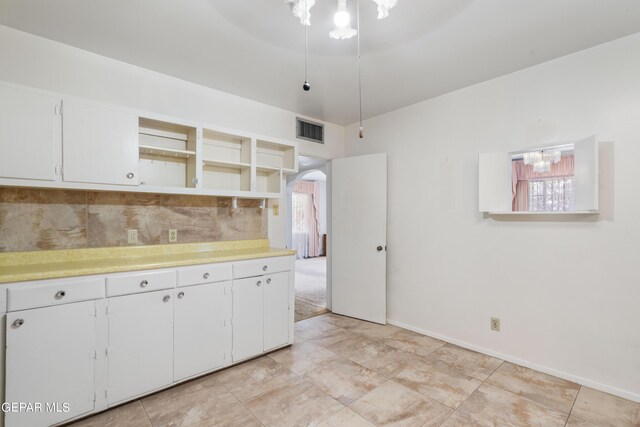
[569, 377]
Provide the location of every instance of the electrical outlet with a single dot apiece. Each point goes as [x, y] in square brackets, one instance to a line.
[132, 237]
[173, 236]
[495, 324]
[276, 209]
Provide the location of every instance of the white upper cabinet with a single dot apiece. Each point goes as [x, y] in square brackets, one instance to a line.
[50, 359]
[29, 129]
[100, 144]
[586, 171]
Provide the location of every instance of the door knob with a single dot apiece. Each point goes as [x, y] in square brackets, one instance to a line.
[379, 248]
[18, 322]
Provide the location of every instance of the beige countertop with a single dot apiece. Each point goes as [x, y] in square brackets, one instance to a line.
[37, 265]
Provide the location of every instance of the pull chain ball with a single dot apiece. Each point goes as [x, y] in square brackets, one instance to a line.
[306, 86]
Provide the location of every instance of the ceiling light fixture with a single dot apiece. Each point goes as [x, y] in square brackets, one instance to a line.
[342, 19]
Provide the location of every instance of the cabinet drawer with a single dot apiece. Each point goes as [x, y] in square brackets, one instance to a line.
[54, 292]
[261, 266]
[145, 281]
[204, 274]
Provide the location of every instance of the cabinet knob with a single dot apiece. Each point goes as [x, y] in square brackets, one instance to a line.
[379, 248]
[181, 295]
[144, 284]
[166, 298]
[259, 283]
[18, 322]
[60, 294]
[130, 175]
[264, 268]
[206, 275]
[268, 281]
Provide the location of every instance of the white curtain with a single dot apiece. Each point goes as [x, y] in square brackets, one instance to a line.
[303, 223]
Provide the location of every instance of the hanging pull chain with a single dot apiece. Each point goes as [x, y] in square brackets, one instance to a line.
[306, 86]
[361, 133]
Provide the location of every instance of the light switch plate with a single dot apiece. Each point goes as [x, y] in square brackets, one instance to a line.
[132, 237]
[173, 236]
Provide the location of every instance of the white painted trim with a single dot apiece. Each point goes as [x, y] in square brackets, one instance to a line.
[569, 377]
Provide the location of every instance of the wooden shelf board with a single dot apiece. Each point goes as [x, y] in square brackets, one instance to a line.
[267, 168]
[167, 152]
[220, 163]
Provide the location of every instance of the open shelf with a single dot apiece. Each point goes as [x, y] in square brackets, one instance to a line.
[276, 156]
[167, 154]
[268, 180]
[231, 178]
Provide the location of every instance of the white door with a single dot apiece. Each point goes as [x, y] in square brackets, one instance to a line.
[202, 329]
[586, 174]
[140, 344]
[359, 237]
[248, 316]
[276, 310]
[50, 360]
[99, 144]
[28, 128]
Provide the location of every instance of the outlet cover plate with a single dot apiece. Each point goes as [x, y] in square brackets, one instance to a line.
[132, 237]
[173, 236]
[495, 324]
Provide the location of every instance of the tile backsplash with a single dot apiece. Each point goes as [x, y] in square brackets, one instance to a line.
[37, 219]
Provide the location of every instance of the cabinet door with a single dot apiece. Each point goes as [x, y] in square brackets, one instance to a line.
[276, 310]
[247, 317]
[99, 144]
[140, 344]
[28, 126]
[202, 329]
[50, 360]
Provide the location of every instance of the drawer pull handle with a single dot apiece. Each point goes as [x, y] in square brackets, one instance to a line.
[144, 283]
[206, 275]
[259, 283]
[181, 295]
[60, 294]
[268, 281]
[264, 268]
[166, 298]
[18, 322]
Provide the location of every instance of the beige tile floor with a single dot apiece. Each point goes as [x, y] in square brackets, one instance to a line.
[344, 372]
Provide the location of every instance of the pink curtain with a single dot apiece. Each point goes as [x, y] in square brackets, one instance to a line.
[521, 174]
[311, 187]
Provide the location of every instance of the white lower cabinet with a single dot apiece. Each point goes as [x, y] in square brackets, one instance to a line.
[260, 314]
[140, 351]
[276, 310]
[248, 314]
[50, 360]
[202, 329]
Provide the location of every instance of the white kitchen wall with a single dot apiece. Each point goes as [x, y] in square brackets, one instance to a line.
[566, 289]
[38, 62]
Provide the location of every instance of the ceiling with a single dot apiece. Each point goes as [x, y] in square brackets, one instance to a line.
[254, 48]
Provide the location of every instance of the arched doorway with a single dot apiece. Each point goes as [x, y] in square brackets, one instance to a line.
[306, 233]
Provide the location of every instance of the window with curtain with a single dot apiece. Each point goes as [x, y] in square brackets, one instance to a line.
[301, 212]
[551, 195]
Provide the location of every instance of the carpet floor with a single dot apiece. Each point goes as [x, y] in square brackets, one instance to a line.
[311, 287]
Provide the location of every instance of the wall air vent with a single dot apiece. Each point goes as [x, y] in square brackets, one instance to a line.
[309, 131]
